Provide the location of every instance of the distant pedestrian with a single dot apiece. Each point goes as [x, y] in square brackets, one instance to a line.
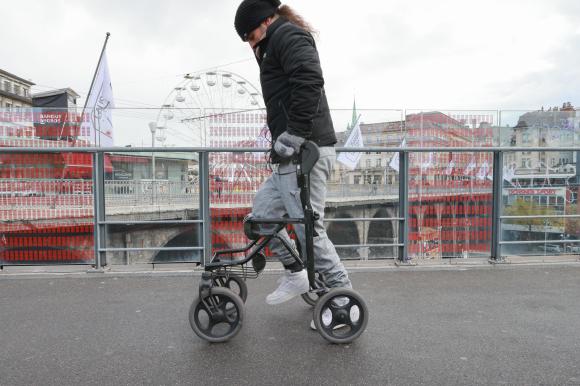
[218, 186]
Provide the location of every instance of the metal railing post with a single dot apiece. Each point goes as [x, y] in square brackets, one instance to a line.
[403, 254]
[496, 198]
[205, 214]
[95, 211]
[99, 229]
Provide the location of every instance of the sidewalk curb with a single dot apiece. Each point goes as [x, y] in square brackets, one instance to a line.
[351, 265]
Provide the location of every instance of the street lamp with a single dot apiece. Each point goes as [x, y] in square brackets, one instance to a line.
[153, 128]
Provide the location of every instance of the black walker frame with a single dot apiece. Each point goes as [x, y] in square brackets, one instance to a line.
[221, 270]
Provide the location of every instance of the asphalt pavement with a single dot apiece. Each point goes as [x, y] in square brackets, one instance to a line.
[461, 326]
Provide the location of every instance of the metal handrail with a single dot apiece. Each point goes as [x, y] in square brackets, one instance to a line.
[406, 149]
[541, 216]
[199, 193]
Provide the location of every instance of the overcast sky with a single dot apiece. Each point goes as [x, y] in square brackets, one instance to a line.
[391, 54]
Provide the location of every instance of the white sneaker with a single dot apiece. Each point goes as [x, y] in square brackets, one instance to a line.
[291, 285]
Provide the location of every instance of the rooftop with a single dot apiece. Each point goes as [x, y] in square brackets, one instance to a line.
[67, 90]
[15, 77]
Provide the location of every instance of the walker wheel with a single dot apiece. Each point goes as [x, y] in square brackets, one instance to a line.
[233, 282]
[341, 315]
[218, 317]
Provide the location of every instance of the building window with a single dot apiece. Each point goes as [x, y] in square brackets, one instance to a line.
[526, 138]
[368, 163]
[7, 86]
[378, 162]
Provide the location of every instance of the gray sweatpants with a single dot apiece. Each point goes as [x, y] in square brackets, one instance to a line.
[280, 195]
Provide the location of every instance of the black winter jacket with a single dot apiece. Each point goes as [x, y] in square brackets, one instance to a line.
[293, 86]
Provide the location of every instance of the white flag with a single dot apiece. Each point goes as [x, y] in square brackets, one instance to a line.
[483, 171]
[350, 160]
[98, 122]
[429, 163]
[394, 163]
[509, 174]
[450, 167]
[470, 167]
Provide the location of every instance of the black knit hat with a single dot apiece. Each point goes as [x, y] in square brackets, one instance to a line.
[251, 13]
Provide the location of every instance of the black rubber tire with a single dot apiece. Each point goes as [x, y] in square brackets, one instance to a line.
[226, 282]
[219, 298]
[341, 314]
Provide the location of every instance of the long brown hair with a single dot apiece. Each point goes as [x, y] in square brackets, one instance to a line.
[288, 13]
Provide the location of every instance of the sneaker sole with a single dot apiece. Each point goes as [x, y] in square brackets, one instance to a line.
[284, 299]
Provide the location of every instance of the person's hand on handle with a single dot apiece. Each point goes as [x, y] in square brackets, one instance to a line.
[287, 144]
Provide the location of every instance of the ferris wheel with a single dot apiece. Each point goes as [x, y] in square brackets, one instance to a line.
[183, 117]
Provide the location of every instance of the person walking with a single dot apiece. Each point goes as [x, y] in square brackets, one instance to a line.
[297, 110]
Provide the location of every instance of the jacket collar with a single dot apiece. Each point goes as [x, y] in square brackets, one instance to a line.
[275, 25]
[263, 44]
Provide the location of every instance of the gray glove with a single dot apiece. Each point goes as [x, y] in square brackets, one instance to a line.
[287, 145]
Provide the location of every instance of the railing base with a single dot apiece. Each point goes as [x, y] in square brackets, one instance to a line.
[405, 263]
[96, 270]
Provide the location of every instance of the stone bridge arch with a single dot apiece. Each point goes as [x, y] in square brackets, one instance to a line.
[183, 237]
[344, 233]
[151, 236]
[382, 232]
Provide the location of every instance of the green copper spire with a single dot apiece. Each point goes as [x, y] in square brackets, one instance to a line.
[354, 114]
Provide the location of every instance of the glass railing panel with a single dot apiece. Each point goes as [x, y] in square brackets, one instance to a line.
[450, 205]
[540, 193]
[235, 177]
[362, 206]
[46, 208]
[147, 195]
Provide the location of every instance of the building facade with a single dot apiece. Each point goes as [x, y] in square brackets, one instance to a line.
[14, 91]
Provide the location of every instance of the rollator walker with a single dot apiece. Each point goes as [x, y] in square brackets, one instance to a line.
[217, 313]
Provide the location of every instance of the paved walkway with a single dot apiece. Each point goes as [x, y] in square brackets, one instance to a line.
[516, 325]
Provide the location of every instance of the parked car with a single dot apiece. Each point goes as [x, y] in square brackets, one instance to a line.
[551, 248]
